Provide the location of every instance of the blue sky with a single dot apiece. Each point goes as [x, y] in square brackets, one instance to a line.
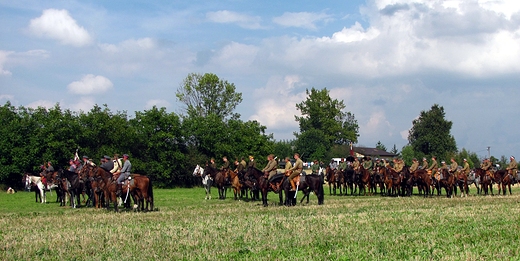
[387, 59]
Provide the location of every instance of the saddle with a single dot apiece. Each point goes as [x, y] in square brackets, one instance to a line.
[490, 173]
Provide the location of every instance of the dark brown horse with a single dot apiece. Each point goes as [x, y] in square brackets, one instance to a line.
[447, 182]
[310, 183]
[263, 184]
[221, 181]
[96, 185]
[461, 180]
[503, 180]
[331, 179]
[140, 187]
[362, 179]
[423, 181]
[486, 182]
[392, 181]
[70, 183]
[109, 187]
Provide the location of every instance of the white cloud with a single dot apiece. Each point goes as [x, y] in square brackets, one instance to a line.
[302, 19]
[90, 84]
[230, 17]
[3, 60]
[159, 103]
[59, 25]
[83, 104]
[41, 103]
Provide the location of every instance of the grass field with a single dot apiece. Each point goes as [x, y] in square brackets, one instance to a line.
[187, 227]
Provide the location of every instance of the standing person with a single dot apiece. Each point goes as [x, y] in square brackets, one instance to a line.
[296, 170]
[465, 169]
[270, 168]
[453, 165]
[512, 167]
[125, 173]
[424, 164]
[433, 167]
[415, 165]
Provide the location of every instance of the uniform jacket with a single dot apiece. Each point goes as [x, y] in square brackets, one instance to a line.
[271, 167]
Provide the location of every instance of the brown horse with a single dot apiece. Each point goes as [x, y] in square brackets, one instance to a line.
[140, 187]
[503, 180]
[447, 182]
[486, 182]
[392, 181]
[109, 187]
[423, 180]
[331, 179]
[235, 184]
[221, 180]
[263, 184]
[362, 179]
[461, 180]
[96, 185]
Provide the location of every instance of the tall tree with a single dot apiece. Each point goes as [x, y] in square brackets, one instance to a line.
[322, 115]
[380, 146]
[207, 94]
[430, 133]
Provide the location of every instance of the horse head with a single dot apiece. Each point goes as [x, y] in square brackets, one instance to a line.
[197, 171]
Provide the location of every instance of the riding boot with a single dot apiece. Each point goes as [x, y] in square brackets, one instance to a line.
[293, 185]
[119, 189]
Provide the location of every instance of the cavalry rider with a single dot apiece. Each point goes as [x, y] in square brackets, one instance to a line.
[379, 163]
[72, 166]
[252, 162]
[415, 165]
[117, 164]
[239, 168]
[424, 164]
[225, 167]
[398, 165]
[486, 166]
[288, 165]
[125, 173]
[355, 164]
[86, 161]
[465, 168]
[243, 163]
[453, 166]
[270, 168]
[333, 165]
[444, 166]
[315, 168]
[368, 164]
[512, 167]
[49, 168]
[433, 166]
[107, 164]
[296, 170]
[342, 165]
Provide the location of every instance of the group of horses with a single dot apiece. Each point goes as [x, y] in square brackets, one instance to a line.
[96, 185]
[391, 183]
[253, 182]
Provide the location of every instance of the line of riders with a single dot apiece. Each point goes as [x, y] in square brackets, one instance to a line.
[433, 169]
[101, 184]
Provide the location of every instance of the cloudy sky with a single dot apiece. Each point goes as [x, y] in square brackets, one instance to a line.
[387, 59]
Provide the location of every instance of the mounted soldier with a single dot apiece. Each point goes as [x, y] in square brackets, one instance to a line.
[125, 173]
[512, 167]
[453, 166]
[355, 164]
[108, 164]
[486, 166]
[270, 168]
[295, 170]
[425, 164]
[225, 166]
[252, 162]
[415, 165]
[315, 168]
[433, 167]
[465, 168]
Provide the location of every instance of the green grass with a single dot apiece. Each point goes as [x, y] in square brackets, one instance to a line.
[187, 227]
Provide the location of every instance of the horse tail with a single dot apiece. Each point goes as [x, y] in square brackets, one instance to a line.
[150, 190]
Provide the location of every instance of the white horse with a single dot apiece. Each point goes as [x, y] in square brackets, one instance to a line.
[37, 181]
[206, 180]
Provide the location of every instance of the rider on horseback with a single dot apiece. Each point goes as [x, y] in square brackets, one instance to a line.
[433, 166]
[125, 173]
[486, 166]
[415, 165]
[107, 164]
[315, 168]
[425, 164]
[465, 169]
[368, 164]
[225, 167]
[512, 167]
[295, 170]
[453, 166]
[398, 165]
[270, 168]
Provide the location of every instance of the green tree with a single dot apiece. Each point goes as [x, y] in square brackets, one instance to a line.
[327, 123]
[430, 133]
[284, 148]
[207, 94]
[380, 146]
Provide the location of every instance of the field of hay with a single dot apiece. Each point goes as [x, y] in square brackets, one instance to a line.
[188, 227]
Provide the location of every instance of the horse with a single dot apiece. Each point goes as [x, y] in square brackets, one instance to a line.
[486, 182]
[462, 182]
[331, 179]
[96, 185]
[74, 189]
[29, 180]
[503, 180]
[447, 182]
[235, 184]
[307, 184]
[140, 186]
[406, 185]
[377, 180]
[473, 179]
[348, 175]
[108, 185]
[263, 184]
[423, 180]
[392, 181]
[207, 180]
[362, 179]
[221, 180]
